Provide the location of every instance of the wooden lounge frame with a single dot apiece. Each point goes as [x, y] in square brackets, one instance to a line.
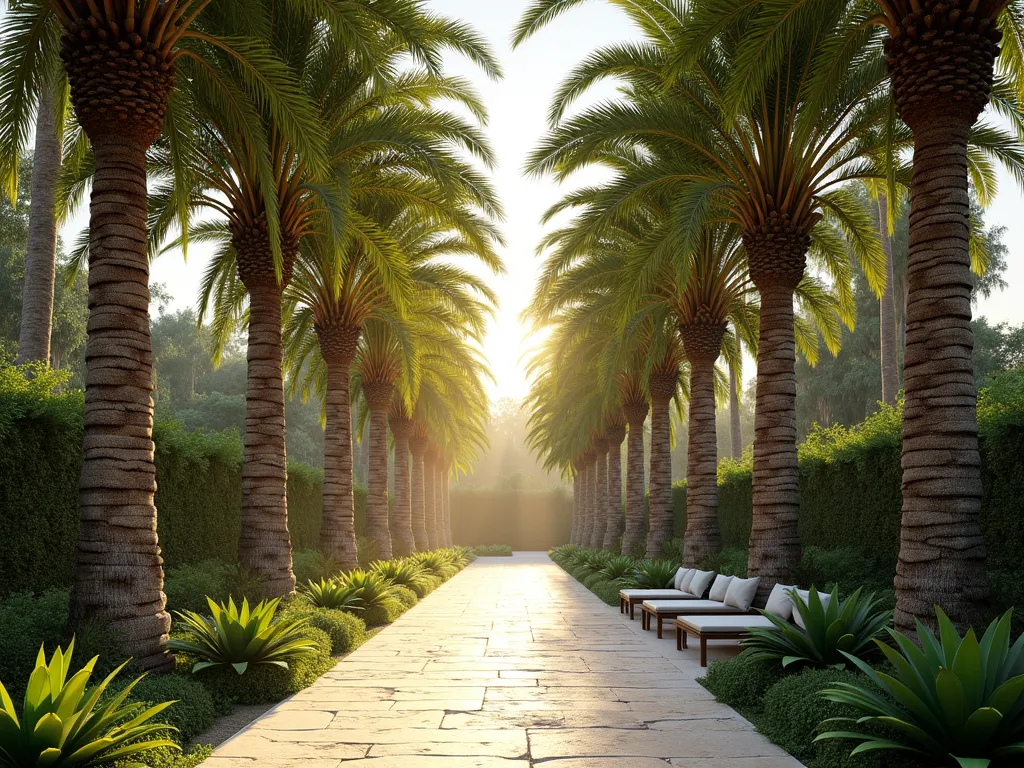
[682, 629]
[646, 615]
[629, 604]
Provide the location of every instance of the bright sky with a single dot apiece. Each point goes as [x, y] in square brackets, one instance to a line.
[518, 106]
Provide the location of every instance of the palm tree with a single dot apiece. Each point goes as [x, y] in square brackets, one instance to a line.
[635, 407]
[663, 386]
[404, 543]
[614, 433]
[600, 491]
[417, 449]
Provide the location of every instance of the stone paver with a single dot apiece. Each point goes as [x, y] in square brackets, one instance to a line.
[510, 664]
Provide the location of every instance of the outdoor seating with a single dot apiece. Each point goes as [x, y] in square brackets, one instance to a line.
[728, 596]
[630, 598]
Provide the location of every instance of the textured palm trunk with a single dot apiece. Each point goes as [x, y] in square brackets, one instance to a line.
[417, 447]
[377, 527]
[264, 545]
[942, 551]
[600, 495]
[616, 522]
[887, 312]
[575, 530]
[774, 536]
[703, 537]
[589, 471]
[402, 536]
[118, 567]
[735, 432]
[660, 516]
[633, 536]
[446, 496]
[430, 496]
[41, 249]
[338, 525]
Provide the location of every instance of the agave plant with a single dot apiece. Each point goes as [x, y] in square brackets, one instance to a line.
[618, 567]
[436, 563]
[333, 593]
[372, 588]
[401, 573]
[654, 574]
[64, 722]
[956, 700]
[242, 637]
[831, 635]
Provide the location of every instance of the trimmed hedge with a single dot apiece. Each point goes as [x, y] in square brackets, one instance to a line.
[742, 682]
[198, 498]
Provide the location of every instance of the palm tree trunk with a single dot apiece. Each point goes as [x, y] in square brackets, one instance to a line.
[447, 496]
[633, 537]
[601, 496]
[735, 432]
[41, 249]
[589, 484]
[430, 496]
[377, 528]
[942, 551]
[703, 537]
[118, 568]
[264, 545]
[338, 525]
[660, 515]
[774, 536]
[418, 447]
[887, 312]
[574, 531]
[616, 523]
[404, 541]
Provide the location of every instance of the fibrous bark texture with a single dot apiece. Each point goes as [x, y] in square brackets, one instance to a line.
[589, 483]
[777, 259]
[660, 518]
[941, 82]
[888, 343]
[41, 249]
[402, 537]
[616, 522]
[633, 536]
[703, 537]
[601, 495]
[417, 447]
[430, 496]
[575, 531]
[338, 526]
[378, 531]
[735, 433]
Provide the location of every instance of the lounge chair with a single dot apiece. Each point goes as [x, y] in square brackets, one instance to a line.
[728, 596]
[630, 598]
[718, 627]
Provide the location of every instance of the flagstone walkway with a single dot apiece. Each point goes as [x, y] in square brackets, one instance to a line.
[510, 664]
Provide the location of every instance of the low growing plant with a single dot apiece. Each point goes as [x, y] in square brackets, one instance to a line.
[830, 636]
[654, 574]
[955, 700]
[346, 631]
[334, 593]
[241, 637]
[401, 573]
[618, 567]
[64, 722]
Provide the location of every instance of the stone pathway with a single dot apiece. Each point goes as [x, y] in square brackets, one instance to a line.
[510, 664]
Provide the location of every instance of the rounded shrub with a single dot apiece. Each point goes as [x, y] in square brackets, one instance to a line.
[346, 631]
[793, 712]
[267, 683]
[608, 591]
[383, 613]
[743, 681]
[404, 595]
[195, 709]
[188, 586]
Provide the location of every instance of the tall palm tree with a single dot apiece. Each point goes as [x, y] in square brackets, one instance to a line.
[417, 449]
[403, 541]
[600, 490]
[635, 407]
[614, 433]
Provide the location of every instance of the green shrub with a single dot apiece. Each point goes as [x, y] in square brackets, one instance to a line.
[793, 711]
[194, 710]
[313, 565]
[618, 567]
[402, 572]
[743, 681]
[731, 561]
[267, 683]
[673, 550]
[383, 613]
[332, 593]
[242, 638]
[346, 631]
[654, 574]
[164, 757]
[492, 550]
[849, 568]
[426, 585]
[404, 595]
[608, 591]
[188, 586]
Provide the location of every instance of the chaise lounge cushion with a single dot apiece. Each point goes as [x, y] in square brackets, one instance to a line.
[684, 584]
[741, 593]
[690, 606]
[779, 603]
[700, 583]
[723, 625]
[719, 588]
[656, 594]
[680, 575]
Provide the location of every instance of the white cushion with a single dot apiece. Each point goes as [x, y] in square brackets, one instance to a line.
[779, 603]
[701, 581]
[724, 624]
[805, 595]
[684, 585]
[719, 588]
[688, 606]
[656, 594]
[741, 593]
[680, 572]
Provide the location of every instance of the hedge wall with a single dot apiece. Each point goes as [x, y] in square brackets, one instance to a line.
[198, 489]
[850, 483]
[525, 520]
